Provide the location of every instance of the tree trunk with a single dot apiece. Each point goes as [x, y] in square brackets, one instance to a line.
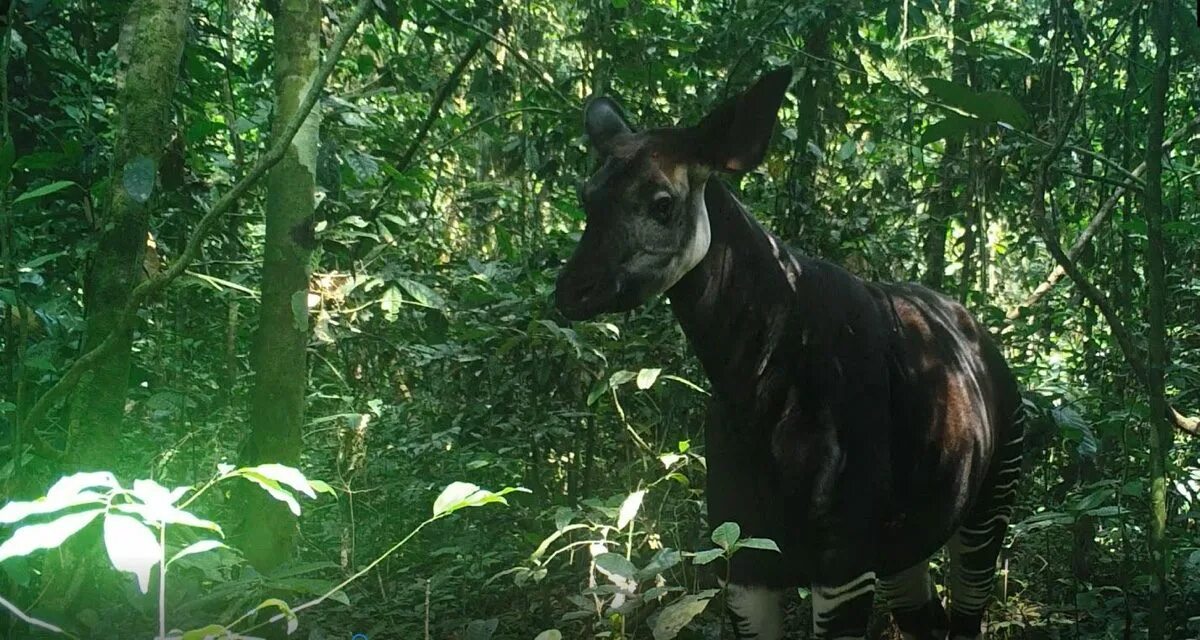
[1160, 431]
[154, 34]
[810, 92]
[267, 533]
[944, 205]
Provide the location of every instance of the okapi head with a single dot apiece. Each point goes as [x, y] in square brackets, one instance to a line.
[647, 224]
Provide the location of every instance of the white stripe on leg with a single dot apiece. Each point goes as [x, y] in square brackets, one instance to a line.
[756, 612]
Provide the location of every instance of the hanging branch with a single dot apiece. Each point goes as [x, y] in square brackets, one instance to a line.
[1068, 267]
[1093, 227]
[152, 286]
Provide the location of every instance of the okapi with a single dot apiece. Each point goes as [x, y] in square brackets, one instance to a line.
[862, 426]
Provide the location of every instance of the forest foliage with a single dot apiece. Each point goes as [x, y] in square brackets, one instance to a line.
[214, 304]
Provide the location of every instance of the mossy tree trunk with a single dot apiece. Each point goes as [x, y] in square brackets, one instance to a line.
[154, 36]
[1161, 433]
[268, 532]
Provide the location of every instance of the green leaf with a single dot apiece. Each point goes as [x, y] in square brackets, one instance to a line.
[629, 508]
[47, 535]
[43, 191]
[726, 534]
[197, 547]
[951, 127]
[847, 150]
[283, 474]
[131, 547]
[458, 495]
[549, 634]
[284, 612]
[421, 294]
[273, 489]
[620, 377]
[300, 310]
[707, 556]
[646, 378]
[481, 629]
[678, 614]
[765, 544]
[137, 177]
[615, 564]
[210, 632]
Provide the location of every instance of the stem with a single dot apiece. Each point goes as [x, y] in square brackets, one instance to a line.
[162, 581]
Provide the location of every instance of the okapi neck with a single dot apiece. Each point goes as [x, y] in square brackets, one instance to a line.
[735, 305]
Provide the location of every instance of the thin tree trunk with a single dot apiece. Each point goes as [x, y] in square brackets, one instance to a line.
[155, 32]
[267, 533]
[1161, 433]
[945, 205]
[810, 138]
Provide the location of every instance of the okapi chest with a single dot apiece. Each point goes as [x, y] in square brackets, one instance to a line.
[861, 426]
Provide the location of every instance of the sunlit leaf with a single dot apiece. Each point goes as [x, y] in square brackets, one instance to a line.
[646, 378]
[47, 535]
[131, 547]
[629, 508]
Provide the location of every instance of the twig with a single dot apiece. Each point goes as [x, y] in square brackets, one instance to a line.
[543, 77]
[1094, 227]
[1050, 236]
[153, 285]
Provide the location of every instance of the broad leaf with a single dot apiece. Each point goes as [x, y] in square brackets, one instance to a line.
[43, 191]
[197, 547]
[707, 556]
[646, 378]
[629, 508]
[726, 534]
[615, 564]
[765, 544]
[16, 511]
[47, 535]
[132, 547]
[678, 614]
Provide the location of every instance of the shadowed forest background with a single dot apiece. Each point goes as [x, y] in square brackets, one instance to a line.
[197, 272]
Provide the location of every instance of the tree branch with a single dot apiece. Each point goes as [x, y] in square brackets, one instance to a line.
[1093, 227]
[150, 287]
[1067, 264]
[444, 93]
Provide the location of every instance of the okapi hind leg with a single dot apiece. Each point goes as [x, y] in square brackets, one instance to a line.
[913, 602]
[843, 611]
[977, 543]
[756, 613]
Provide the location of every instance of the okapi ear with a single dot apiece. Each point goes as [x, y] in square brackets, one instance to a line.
[735, 135]
[604, 122]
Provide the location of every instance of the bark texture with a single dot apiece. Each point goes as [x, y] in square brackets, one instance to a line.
[267, 532]
[154, 37]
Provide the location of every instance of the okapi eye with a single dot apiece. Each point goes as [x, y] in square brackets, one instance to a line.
[660, 208]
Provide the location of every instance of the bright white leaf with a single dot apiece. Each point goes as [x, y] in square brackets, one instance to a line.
[273, 488]
[151, 492]
[458, 495]
[629, 508]
[17, 511]
[73, 484]
[47, 535]
[197, 547]
[646, 378]
[167, 514]
[285, 475]
[132, 547]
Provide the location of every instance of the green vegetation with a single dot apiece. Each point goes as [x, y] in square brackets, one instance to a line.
[197, 273]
